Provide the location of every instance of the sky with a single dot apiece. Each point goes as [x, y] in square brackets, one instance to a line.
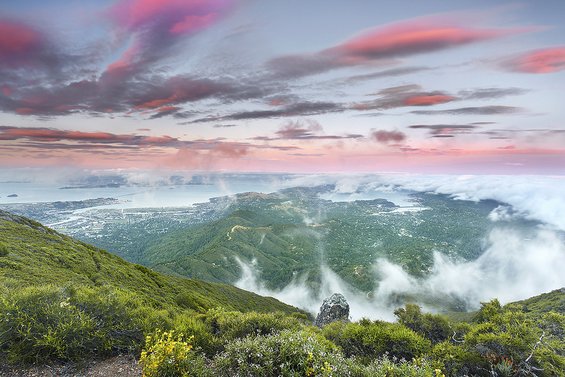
[463, 87]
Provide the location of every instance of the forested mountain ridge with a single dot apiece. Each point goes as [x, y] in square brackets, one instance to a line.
[293, 232]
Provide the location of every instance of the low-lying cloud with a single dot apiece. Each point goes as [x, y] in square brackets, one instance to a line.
[511, 268]
[537, 198]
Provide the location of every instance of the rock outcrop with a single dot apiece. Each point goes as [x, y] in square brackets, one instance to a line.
[334, 308]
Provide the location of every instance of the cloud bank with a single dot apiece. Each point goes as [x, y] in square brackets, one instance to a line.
[515, 265]
[538, 198]
[512, 268]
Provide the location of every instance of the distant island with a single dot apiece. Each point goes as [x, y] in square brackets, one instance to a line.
[106, 185]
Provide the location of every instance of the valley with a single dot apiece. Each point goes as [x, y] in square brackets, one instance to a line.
[294, 236]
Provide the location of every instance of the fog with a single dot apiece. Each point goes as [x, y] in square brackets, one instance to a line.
[514, 265]
[511, 268]
[540, 198]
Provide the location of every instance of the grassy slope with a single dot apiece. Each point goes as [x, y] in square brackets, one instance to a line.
[546, 302]
[535, 306]
[37, 255]
[208, 251]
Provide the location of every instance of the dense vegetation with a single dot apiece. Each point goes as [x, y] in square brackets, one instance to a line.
[61, 298]
[500, 341]
[289, 233]
[64, 300]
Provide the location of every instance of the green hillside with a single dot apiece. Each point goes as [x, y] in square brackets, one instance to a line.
[36, 255]
[544, 303]
[289, 233]
[63, 299]
[208, 252]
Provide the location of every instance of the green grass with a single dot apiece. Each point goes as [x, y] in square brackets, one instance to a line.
[36, 255]
[546, 302]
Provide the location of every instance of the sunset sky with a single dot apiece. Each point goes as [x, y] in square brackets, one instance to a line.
[284, 86]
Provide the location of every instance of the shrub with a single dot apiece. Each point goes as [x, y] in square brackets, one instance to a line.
[169, 355]
[39, 324]
[236, 325]
[3, 250]
[386, 367]
[456, 360]
[369, 340]
[289, 353]
[509, 341]
[218, 327]
[431, 326]
[488, 311]
[201, 333]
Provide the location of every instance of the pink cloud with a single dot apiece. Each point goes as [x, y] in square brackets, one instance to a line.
[403, 96]
[7, 90]
[405, 38]
[53, 135]
[414, 36]
[16, 38]
[193, 23]
[178, 90]
[19, 43]
[155, 25]
[172, 16]
[547, 60]
[428, 100]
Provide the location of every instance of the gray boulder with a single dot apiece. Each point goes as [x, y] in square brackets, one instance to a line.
[334, 308]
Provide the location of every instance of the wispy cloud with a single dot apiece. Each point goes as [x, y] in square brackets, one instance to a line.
[546, 60]
[304, 130]
[417, 36]
[295, 109]
[445, 130]
[49, 138]
[490, 93]
[474, 110]
[152, 27]
[404, 96]
[392, 72]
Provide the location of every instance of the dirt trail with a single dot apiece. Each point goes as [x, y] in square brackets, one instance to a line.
[123, 366]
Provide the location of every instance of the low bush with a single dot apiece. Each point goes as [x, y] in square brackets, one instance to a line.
[167, 354]
[434, 327]
[289, 353]
[217, 327]
[3, 250]
[45, 323]
[369, 340]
